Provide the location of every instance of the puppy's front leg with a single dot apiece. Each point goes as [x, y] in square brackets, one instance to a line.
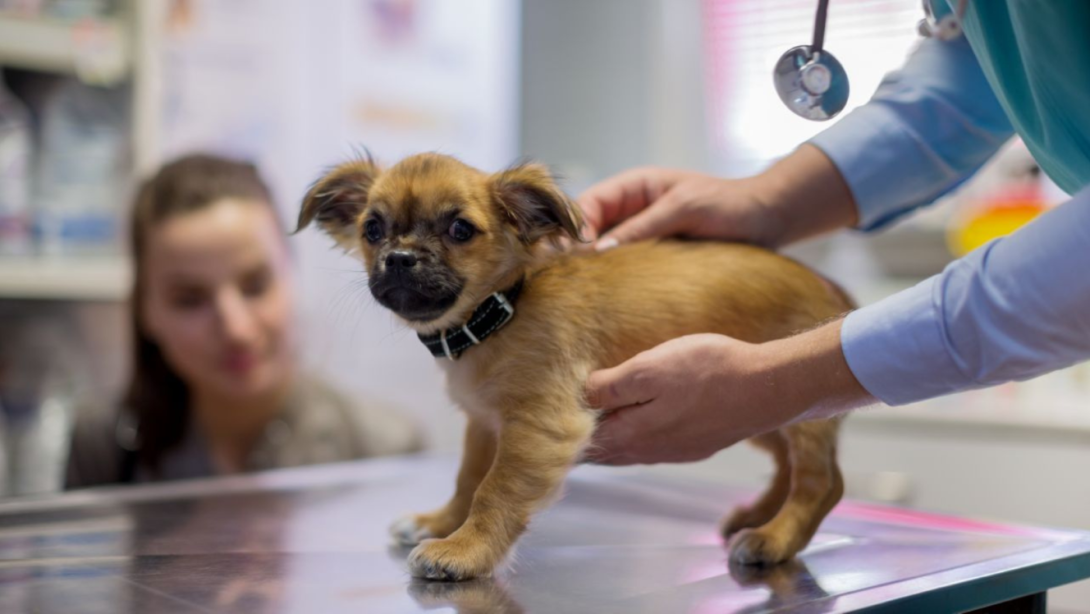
[535, 450]
[477, 455]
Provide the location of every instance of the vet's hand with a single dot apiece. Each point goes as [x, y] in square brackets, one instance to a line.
[693, 396]
[800, 196]
[682, 401]
[646, 203]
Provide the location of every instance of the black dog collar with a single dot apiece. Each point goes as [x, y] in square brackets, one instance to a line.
[490, 316]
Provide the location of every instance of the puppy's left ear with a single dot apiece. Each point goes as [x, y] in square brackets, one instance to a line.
[538, 207]
[336, 200]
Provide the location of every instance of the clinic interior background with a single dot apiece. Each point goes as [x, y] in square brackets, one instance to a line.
[590, 87]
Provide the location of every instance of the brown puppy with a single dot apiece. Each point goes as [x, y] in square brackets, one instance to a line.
[440, 238]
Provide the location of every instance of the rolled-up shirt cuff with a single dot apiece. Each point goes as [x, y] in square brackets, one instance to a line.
[898, 350]
[865, 146]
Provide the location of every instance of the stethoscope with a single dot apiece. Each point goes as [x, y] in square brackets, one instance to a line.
[814, 85]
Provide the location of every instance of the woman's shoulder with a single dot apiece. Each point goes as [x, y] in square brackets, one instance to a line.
[376, 428]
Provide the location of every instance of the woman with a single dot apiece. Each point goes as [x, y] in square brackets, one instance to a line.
[216, 387]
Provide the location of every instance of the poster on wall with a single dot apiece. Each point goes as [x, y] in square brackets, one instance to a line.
[218, 65]
[230, 82]
[432, 75]
[297, 85]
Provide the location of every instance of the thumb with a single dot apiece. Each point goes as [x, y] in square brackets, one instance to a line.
[658, 220]
[622, 437]
[617, 387]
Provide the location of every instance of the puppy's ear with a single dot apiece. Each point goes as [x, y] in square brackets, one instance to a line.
[534, 203]
[336, 200]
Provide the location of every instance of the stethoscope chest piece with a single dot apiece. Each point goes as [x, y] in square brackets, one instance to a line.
[813, 85]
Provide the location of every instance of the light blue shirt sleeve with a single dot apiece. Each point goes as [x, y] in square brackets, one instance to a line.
[929, 126]
[1016, 308]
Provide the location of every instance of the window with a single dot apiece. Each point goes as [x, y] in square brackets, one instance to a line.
[744, 39]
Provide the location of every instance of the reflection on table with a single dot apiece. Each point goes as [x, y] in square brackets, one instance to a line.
[314, 540]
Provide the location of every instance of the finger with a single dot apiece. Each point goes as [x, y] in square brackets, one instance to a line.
[621, 386]
[612, 200]
[658, 220]
[603, 448]
[562, 244]
[593, 201]
[621, 437]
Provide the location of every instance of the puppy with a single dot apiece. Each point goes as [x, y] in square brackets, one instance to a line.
[455, 253]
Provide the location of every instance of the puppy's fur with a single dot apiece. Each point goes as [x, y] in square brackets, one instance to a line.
[523, 387]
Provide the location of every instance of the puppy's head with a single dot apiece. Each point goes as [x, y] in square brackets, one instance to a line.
[438, 236]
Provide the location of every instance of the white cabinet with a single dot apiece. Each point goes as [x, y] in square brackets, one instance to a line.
[103, 51]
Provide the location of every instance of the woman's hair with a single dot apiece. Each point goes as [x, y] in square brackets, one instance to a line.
[156, 396]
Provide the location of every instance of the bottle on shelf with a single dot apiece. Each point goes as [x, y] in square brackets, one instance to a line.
[15, 173]
[79, 9]
[82, 168]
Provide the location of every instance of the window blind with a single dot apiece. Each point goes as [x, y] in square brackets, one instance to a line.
[743, 39]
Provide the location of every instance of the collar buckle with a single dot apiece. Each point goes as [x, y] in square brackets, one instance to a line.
[491, 315]
[501, 298]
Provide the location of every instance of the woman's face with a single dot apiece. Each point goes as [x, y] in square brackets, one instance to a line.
[217, 298]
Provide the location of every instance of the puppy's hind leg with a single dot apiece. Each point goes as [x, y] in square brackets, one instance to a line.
[765, 507]
[477, 455]
[535, 450]
[816, 487]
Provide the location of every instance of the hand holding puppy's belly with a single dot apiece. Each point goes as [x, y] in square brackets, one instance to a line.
[454, 252]
[693, 396]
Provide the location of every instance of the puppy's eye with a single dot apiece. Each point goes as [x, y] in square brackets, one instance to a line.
[461, 230]
[372, 229]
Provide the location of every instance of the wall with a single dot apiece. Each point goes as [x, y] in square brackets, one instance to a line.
[612, 84]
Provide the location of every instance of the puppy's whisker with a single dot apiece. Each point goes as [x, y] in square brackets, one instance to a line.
[398, 332]
[343, 305]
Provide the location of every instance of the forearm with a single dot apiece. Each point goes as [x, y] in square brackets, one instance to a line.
[805, 195]
[930, 126]
[811, 375]
[1011, 310]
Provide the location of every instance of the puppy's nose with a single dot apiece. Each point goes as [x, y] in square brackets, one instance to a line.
[400, 260]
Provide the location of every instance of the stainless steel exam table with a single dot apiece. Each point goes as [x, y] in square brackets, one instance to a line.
[313, 540]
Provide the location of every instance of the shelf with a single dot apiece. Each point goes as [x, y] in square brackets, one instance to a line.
[100, 278]
[1057, 415]
[95, 50]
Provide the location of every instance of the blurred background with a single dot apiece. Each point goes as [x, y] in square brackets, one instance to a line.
[96, 94]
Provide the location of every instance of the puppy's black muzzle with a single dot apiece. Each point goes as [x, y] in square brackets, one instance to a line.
[412, 288]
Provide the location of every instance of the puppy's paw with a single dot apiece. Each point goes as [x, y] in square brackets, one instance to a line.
[742, 517]
[761, 547]
[451, 560]
[408, 531]
[412, 529]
